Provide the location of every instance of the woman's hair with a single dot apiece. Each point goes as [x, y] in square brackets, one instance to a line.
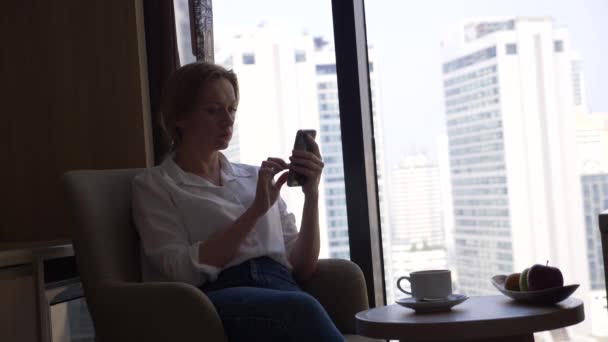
[180, 95]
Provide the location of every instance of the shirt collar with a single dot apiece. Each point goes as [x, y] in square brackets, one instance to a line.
[228, 171]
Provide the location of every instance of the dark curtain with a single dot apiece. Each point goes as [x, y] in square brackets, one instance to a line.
[163, 59]
[201, 29]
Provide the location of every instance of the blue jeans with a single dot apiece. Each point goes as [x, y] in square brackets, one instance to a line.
[259, 300]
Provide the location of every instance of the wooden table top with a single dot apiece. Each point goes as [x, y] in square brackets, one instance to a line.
[19, 253]
[478, 317]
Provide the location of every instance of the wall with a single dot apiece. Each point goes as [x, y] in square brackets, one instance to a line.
[74, 96]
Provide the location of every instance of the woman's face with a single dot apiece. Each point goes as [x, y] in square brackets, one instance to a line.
[210, 124]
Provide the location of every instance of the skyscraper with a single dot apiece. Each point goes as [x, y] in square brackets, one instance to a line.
[278, 96]
[331, 144]
[512, 87]
[331, 148]
[417, 232]
[415, 201]
[592, 144]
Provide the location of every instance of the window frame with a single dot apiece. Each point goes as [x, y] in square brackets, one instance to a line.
[358, 145]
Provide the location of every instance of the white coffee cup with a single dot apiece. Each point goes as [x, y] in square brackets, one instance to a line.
[431, 284]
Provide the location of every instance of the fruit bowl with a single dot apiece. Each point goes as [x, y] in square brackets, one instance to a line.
[546, 297]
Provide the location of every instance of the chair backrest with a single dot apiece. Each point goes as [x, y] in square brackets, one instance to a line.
[603, 219]
[105, 240]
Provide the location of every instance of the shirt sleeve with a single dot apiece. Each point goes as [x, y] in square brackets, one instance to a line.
[163, 236]
[290, 230]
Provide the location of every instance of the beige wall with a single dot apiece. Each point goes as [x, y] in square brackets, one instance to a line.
[74, 96]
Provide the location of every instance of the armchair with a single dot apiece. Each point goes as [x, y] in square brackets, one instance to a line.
[124, 308]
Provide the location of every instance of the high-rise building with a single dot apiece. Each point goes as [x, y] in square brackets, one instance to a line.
[592, 144]
[331, 145]
[417, 232]
[278, 96]
[415, 201]
[289, 82]
[512, 87]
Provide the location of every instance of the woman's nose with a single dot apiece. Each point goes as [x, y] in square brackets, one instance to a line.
[228, 116]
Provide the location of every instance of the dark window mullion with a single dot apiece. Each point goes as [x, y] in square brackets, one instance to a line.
[358, 145]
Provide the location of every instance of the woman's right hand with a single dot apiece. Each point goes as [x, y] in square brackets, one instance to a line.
[267, 191]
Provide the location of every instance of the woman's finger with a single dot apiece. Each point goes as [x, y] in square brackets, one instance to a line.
[315, 165]
[280, 181]
[300, 160]
[278, 161]
[275, 167]
[315, 147]
[266, 172]
[307, 155]
[303, 170]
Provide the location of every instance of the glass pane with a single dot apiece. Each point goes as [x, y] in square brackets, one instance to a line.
[285, 63]
[492, 120]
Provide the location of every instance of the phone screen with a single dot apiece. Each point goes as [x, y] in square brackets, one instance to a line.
[294, 178]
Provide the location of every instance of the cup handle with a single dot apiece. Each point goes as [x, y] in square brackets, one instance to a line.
[399, 284]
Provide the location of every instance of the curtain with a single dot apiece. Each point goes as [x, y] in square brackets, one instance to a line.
[163, 59]
[163, 54]
[201, 29]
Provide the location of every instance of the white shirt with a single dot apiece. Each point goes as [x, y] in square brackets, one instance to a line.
[174, 211]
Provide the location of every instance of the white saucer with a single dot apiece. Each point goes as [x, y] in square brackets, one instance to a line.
[423, 306]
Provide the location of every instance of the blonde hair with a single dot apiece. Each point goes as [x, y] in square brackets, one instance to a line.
[180, 95]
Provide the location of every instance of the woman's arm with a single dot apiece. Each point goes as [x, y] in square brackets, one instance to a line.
[305, 252]
[220, 248]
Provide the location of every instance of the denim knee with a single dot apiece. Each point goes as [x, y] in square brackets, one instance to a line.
[302, 304]
[308, 320]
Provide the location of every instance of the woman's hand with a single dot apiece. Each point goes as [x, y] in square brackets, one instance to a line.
[310, 165]
[268, 190]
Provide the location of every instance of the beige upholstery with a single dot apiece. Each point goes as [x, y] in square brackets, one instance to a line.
[125, 309]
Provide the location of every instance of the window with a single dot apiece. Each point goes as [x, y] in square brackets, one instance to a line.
[470, 59]
[300, 56]
[511, 49]
[449, 132]
[248, 58]
[287, 80]
[324, 69]
[437, 124]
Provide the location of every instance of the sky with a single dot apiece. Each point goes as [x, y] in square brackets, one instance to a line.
[407, 36]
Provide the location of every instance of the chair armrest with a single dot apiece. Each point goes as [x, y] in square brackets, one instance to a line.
[340, 287]
[155, 311]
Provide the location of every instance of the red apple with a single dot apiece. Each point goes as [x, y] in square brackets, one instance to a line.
[542, 277]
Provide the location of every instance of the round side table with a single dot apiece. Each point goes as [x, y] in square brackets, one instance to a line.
[480, 318]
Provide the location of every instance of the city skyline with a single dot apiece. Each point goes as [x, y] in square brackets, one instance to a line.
[512, 94]
[412, 94]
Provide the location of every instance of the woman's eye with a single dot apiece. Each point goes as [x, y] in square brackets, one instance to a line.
[213, 110]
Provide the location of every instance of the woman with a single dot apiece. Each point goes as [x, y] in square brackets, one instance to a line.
[222, 226]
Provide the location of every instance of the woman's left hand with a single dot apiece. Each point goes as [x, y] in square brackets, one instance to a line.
[310, 165]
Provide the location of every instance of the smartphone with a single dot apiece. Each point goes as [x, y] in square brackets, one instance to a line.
[301, 143]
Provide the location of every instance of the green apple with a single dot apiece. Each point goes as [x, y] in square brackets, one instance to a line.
[523, 280]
